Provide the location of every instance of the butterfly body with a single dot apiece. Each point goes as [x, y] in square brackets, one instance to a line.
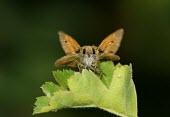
[88, 57]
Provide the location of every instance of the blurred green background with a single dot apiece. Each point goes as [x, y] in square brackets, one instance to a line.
[29, 47]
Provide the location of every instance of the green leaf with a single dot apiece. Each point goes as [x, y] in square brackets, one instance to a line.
[122, 94]
[107, 68]
[62, 76]
[42, 105]
[114, 92]
[49, 88]
[87, 88]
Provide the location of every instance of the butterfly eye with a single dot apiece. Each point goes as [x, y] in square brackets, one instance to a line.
[93, 51]
[84, 51]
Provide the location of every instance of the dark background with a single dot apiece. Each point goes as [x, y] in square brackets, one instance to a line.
[29, 46]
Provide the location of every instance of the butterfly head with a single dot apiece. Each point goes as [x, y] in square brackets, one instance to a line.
[88, 55]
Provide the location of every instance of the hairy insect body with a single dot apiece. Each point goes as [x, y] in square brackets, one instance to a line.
[88, 57]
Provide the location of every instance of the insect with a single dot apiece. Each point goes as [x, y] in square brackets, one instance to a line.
[88, 57]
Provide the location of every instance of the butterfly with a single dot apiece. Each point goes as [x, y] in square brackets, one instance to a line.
[88, 57]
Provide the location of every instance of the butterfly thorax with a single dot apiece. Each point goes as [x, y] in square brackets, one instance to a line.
[88, 57]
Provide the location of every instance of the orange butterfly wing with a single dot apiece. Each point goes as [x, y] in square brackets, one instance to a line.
[69, 45]
[69, 60]
[111, 43]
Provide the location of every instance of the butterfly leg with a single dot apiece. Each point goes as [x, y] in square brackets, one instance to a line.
[97, 70]
[80, 66]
